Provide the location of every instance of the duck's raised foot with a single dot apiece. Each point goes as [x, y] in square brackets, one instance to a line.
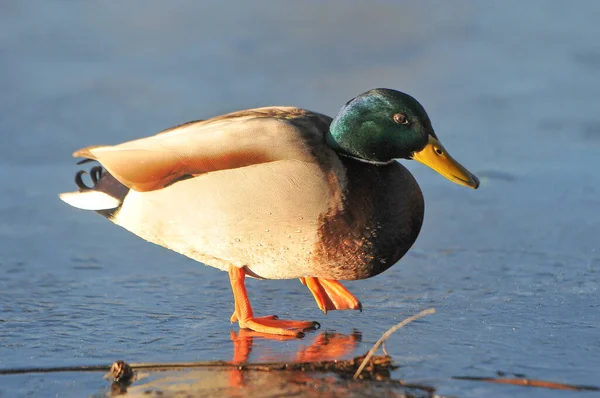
[331, 295]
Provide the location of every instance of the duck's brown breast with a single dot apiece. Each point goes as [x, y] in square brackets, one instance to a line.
[379, 220]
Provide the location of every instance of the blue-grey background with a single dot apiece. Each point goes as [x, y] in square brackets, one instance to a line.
[512, 88]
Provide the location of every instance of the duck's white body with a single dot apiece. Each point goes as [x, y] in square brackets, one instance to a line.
[258, 225]
[243, 191]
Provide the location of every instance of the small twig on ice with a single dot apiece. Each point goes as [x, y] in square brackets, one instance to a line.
[387, 334]
[530, 383]
[384, 350]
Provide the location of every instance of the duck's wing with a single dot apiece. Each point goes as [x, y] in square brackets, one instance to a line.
[235, 140]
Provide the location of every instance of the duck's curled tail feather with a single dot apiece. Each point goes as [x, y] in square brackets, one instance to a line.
[105, 195]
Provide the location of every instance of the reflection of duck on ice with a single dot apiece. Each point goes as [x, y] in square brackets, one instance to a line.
[325, 347]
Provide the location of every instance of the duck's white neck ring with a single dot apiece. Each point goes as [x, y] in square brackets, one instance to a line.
[374, 162]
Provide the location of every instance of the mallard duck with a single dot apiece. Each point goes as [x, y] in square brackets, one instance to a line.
[277, 193]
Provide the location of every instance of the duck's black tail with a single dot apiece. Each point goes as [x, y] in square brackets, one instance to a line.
[105, 195]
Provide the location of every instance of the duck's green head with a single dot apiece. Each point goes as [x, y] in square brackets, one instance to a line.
[382, 125]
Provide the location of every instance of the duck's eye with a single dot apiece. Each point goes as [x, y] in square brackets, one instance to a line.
[400, 118]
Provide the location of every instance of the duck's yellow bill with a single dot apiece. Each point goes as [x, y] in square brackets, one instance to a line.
[435, 156]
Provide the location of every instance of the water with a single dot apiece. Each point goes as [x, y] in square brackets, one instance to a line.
[513, 269]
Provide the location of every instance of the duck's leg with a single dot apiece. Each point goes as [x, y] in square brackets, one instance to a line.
[331, 295]
[268, 324]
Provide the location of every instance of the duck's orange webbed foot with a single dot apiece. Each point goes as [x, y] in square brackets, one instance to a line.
[268, 324]
[331, 295]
